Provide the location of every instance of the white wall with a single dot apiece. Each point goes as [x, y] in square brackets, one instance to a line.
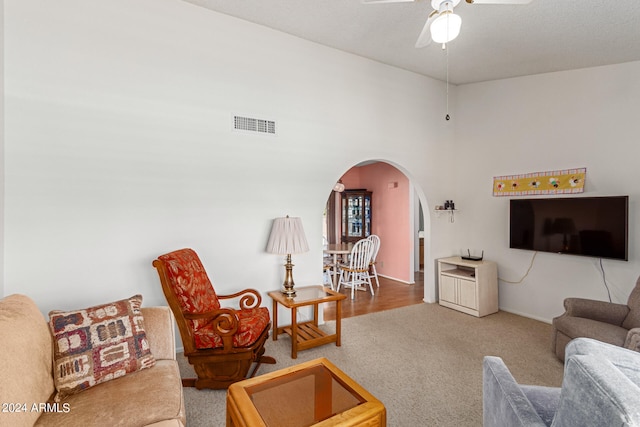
[119, 146]
[2, 147]
[583, 118]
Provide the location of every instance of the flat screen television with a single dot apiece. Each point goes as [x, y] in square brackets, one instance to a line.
[589, 226]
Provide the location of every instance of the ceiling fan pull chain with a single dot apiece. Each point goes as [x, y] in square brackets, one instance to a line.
[447, 117]
[444, 46]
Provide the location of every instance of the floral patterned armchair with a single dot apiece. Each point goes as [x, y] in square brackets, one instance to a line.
[221, 343]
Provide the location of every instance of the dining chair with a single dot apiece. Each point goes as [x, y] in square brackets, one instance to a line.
[355, 274]
[327, 273]
[376, 247]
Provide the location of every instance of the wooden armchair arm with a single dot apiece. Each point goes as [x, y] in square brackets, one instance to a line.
[602, 311]
[249, 298]
[224, 321]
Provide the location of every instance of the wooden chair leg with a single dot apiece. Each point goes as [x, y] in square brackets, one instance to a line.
[188, 382]
[268, 360]
[264, 359]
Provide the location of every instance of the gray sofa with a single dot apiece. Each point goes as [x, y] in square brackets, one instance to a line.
[600, 387]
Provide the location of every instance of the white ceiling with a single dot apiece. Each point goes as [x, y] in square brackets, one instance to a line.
[496, 41]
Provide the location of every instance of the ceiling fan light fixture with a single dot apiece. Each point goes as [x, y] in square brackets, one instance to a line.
[446, 27]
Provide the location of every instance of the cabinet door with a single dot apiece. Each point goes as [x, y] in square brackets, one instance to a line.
[356, 215]
[448, 288]
[467, 293]
[367, 216]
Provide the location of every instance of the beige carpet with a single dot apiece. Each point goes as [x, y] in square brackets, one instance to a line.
[424, 362]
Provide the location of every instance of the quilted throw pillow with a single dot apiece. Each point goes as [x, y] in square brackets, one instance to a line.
[98, 344]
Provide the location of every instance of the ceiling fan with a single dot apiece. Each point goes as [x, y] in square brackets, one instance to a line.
[443, 25]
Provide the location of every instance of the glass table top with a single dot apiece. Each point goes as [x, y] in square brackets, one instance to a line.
[307, 294]
[302, 398]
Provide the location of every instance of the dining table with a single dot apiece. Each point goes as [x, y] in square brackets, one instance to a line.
[337, 249]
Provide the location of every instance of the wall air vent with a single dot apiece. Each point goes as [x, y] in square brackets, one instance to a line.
[250, 124]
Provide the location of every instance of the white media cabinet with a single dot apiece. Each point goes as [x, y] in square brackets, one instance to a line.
[468, 286]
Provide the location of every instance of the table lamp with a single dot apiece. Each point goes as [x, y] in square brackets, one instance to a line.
[286, 238]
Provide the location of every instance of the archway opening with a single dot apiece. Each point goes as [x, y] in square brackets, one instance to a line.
[396, 216]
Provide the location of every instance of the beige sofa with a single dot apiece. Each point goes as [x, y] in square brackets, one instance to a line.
[150, 396]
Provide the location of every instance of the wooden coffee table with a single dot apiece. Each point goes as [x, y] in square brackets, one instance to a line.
[314, 393]
[306, 335]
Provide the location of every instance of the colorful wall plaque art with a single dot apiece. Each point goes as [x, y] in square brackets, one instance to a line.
[566, 181]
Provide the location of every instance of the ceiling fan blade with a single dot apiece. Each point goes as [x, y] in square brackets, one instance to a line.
[386, 1]
[499, 1]
[424, 39]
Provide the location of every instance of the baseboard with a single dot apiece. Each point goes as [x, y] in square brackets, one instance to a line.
[396, 280]
[519, 313]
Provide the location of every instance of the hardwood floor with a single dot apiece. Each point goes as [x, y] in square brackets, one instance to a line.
[390, 294]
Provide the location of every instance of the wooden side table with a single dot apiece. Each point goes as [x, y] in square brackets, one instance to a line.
[314, 393]
[306, 335]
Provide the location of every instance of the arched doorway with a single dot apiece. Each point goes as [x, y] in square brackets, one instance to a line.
[396, 216]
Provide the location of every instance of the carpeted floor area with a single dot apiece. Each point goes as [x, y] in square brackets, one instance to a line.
[424, 362]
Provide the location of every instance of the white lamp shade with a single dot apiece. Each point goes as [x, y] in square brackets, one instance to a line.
[446, 27]
[287, 237]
